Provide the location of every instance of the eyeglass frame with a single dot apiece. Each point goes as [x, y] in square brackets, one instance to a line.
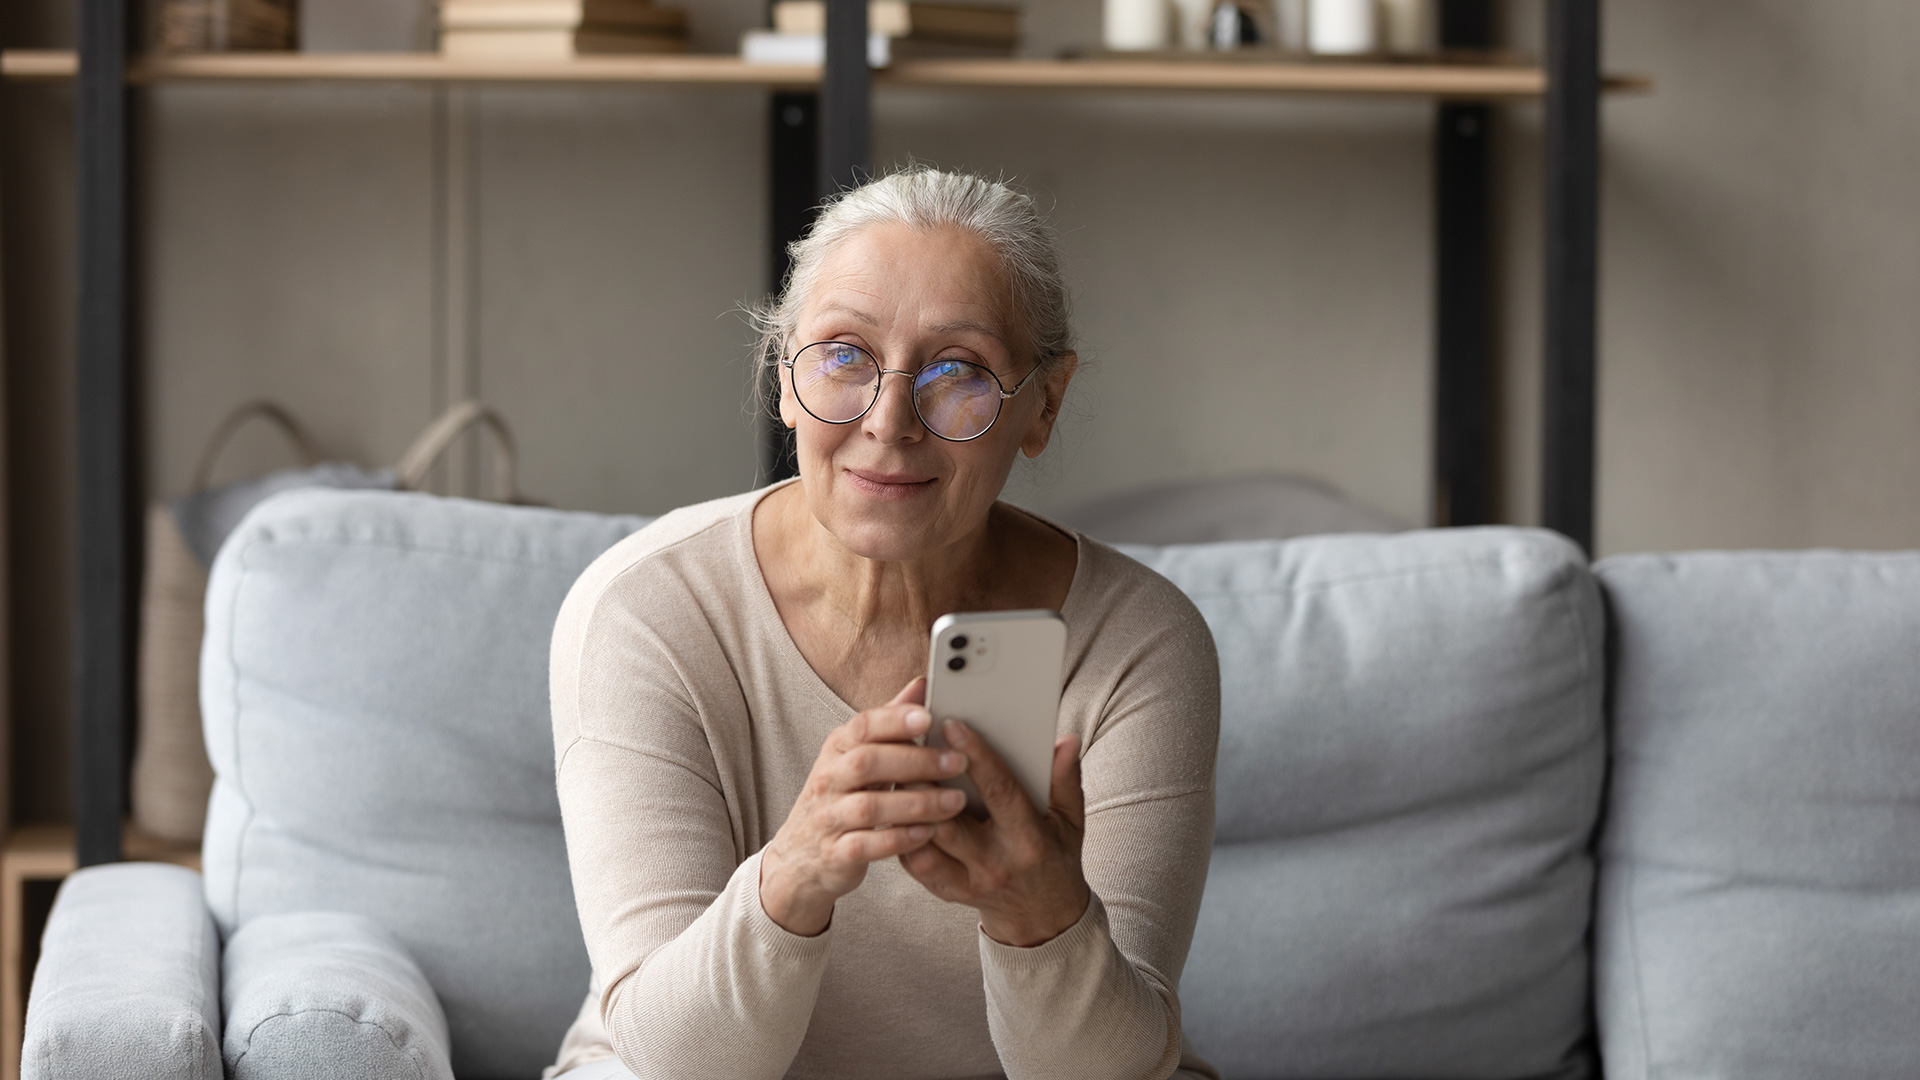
[913, 398]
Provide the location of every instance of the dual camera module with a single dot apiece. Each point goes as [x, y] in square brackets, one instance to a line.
[958, 643]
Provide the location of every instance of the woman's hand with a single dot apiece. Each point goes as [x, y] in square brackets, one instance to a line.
[847, 818]
[1020, 870]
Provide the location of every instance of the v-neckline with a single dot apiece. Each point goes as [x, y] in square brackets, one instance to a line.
[790, 649]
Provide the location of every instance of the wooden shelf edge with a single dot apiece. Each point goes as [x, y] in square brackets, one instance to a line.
[29, 64]
[1356, 79]
[42, 852]
[721, 70]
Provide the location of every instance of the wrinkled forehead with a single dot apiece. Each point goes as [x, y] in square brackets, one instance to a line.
[901, 278]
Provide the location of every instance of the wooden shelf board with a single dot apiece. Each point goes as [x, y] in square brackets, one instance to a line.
[1378, 80]
[433, 67]
[38, 64]
[43, 852]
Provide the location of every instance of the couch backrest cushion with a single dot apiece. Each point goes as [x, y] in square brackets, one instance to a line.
[1760, 874]
[374, 688]
[1411, 759]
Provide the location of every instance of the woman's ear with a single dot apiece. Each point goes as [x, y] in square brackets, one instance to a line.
[1054, 393]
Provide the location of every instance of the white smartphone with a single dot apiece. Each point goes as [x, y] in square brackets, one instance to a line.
[1000, 673]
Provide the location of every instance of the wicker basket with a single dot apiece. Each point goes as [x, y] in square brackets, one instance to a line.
[171, 775]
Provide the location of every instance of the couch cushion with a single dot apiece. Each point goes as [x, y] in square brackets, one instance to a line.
[1760, 875]
[374, 688]
[323, 995]
[1410, 768]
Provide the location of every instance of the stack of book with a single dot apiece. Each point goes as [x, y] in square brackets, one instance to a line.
[898, 29]
[217, 25]
[558, 29]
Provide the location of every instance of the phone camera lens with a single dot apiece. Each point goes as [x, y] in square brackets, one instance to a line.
[956, 663]
[959, 642]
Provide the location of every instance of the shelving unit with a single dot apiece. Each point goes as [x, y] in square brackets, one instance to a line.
[819, 123]
[1434, 80]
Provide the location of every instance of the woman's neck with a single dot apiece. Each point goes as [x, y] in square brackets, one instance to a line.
[862, 623]
[869, 596]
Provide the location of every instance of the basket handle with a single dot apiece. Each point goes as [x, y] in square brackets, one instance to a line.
[260, 409]
[439, 435]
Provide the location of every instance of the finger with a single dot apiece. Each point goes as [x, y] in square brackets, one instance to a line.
[881, 809]
[1068, 797]
[937, 871]
[872, 845]
[1006, 798]
[914, 693]
[894, 763]
[884, 723]
[967, 841]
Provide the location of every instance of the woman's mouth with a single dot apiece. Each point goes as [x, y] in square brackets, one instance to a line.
[888, 485]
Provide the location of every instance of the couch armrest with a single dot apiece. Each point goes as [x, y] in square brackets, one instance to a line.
[128, 982]
[324, 995]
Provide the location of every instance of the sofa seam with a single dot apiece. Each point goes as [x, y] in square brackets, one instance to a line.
[239, 783]
[352, 541]
[1360, 579]
[1633, 967]
[410, 1055]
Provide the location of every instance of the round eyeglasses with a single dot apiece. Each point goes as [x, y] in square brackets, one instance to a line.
[956, 400]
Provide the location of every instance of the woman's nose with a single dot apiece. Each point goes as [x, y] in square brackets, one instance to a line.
[892, 418]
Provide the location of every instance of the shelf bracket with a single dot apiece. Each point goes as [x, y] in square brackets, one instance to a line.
[106, 525]
[846, 99]
[1568, 428]
[1465, 355]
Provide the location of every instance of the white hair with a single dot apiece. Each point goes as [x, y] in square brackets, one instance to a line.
[926, 198]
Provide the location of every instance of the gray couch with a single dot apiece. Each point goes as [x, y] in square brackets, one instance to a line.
[1483, 813]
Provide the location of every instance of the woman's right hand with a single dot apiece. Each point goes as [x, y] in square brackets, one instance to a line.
[847, 818]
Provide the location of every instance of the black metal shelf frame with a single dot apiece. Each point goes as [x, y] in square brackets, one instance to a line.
[820, 143]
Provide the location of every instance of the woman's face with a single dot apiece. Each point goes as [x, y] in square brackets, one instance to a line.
[883, 485]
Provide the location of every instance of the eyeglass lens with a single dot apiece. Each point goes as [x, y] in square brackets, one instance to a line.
[838, 383]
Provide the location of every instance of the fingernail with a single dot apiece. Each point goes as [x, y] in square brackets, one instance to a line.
[919, 720]
[952, 800]
[919, 832]
[957, 733]
[953, 764]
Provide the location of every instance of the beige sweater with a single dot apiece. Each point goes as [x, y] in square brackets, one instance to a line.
[685, 720]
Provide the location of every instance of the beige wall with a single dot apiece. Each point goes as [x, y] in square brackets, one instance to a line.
[1760, 296]
[1252, 278]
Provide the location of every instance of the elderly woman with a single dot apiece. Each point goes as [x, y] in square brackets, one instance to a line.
[769, 882]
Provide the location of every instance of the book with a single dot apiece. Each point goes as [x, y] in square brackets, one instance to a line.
[960, 23]
[554, 44]
[774, 47]
[637, 15]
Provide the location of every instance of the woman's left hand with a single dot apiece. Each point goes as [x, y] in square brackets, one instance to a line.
[1019, 869]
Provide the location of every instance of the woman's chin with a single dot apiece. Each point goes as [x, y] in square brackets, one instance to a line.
[887, 532]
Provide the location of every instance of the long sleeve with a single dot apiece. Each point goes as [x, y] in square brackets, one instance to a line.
[698, 981]
[695, 979]
[1100, 999]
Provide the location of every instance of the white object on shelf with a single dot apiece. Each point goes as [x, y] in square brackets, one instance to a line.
[1343, 27]
[774, 47]
[1135, 25]
[1405, 32]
